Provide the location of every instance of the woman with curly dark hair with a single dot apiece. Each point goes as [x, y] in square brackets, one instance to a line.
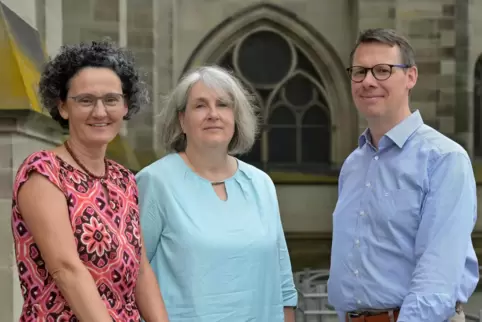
[75, 218]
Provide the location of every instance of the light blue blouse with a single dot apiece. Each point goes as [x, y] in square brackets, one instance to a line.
[215, 260]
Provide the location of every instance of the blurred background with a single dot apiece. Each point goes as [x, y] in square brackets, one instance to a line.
[291, 54]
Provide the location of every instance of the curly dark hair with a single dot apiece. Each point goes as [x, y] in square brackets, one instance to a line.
[57, 73]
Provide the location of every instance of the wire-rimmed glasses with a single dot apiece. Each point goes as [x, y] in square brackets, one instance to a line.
[110, 100]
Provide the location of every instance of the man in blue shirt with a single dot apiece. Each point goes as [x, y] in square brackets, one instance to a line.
[407, 202]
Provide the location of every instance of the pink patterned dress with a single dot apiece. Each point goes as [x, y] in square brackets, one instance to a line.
[107, 234]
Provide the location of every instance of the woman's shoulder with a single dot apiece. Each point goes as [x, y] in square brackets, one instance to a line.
[120, 168]
[159, 178]
[253, 173]
[162, 173]
[43, 161]
[39, 157]
[261, 182]
[162, 167]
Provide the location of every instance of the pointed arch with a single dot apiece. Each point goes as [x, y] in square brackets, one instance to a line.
[282, 115]
[316, 62]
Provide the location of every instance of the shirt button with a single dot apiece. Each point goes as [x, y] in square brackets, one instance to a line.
[357, 242]
[358, 301]
[356, 272]
[362, 213]
[376, 157]
[368, 184]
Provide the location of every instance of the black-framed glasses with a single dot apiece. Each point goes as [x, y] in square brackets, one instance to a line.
[110, 100]
[381, 72]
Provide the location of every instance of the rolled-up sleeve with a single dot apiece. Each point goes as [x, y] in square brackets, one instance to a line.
[150, 213]
[290, 295]
[447, 219]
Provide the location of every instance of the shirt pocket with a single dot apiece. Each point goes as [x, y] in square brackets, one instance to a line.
[399, 214]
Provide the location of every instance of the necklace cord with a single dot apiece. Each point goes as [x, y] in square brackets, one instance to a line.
[84, 168]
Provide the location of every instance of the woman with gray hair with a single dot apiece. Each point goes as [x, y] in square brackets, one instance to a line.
[211, 223]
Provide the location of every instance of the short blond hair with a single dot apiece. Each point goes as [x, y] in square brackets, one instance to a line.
[172, 138]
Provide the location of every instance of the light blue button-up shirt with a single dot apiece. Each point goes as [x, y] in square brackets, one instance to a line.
[402, 226]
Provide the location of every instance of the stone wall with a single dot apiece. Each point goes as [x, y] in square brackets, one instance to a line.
[21, 133]
[438, 32]
[475, 51]
[458, 13]
[325, 27]
[7, 259]
[163, 76]
[129, 23]
[90, 20]
[165, 34]
[140, 39]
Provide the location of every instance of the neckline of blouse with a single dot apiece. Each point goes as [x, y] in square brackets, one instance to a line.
[189, 170]
[58, 157]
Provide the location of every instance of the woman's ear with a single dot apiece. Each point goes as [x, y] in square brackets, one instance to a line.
[181, 120]
[61, 106]
[126, 109]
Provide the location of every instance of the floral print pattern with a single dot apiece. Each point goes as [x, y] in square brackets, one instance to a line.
[106, 229]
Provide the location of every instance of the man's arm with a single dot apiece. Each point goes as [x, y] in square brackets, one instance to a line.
[447, 219]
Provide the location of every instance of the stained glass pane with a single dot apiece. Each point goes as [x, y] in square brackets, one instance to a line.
[299, 90]
[305, 65]
[254, 156]
[282, 115]
[315, 115]
[282, 145]
[316, 144]
[264, 58]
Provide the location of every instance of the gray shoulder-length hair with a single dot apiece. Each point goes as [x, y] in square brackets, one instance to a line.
[172, 138]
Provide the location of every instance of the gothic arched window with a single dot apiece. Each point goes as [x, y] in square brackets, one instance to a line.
[478, 108]
[294, 113]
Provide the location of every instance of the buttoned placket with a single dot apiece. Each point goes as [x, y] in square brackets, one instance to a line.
[363, 216]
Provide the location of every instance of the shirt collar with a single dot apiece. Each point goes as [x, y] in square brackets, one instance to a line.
[400, 133]
[364, 138]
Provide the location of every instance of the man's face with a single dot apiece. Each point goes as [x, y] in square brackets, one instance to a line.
[387, 95]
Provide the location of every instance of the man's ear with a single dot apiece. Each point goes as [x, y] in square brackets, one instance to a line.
[412, 74]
